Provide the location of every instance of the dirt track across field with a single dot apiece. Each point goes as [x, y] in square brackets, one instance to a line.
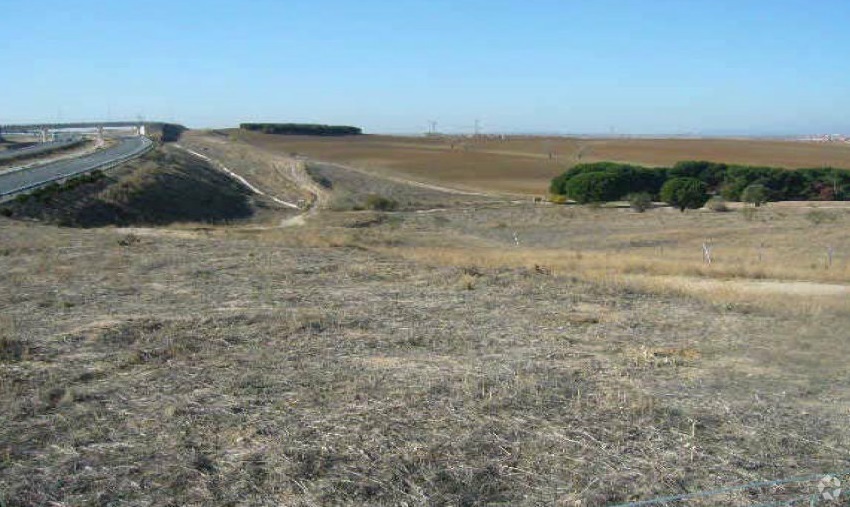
[525, 165]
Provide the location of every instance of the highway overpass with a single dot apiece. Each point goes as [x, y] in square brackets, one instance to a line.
[47, 131]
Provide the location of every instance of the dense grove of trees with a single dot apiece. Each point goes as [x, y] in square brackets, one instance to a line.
[302, 129]
[609, 181]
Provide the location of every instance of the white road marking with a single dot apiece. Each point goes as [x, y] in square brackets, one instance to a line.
[237, 177]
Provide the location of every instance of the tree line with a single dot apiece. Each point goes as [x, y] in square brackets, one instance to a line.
[302, 129]
[609, 181]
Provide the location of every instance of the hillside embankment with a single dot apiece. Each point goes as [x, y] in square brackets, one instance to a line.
[165, 186]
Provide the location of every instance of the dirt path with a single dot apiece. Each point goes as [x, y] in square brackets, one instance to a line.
[744, 286]
[294, 170]
[406, 181]
[237, 177]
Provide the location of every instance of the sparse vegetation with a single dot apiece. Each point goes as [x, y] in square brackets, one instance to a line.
[640, 201]
[749, 214]
[717, 204]
[818, 217]
[423, 357]
[380, 203]
[159, 188]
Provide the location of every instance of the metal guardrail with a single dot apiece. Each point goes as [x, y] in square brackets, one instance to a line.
[103, 167]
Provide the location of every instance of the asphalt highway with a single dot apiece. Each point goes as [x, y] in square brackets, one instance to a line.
[31, 177]
[35, 149]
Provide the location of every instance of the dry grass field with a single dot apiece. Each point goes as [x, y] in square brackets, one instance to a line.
[523, 165]
[464, 350]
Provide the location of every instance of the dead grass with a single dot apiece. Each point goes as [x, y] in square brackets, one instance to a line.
[164, 186]
[230, 369]
[411, 358]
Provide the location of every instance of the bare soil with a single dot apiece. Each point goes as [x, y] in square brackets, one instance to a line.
[525, 165]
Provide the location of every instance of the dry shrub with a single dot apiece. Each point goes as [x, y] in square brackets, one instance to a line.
[717, 204]
[655, 357]
[13, 349]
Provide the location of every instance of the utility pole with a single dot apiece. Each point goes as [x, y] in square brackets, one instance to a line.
[477, 127]
[432, 127]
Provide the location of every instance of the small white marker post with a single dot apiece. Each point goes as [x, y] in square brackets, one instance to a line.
[706, 253]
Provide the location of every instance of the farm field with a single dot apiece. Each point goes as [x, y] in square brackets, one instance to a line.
[523, 165]
[462, 348]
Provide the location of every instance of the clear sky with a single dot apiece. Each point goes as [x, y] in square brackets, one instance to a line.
[554, 66]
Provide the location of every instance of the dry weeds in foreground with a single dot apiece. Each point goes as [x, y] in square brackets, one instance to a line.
[228, 369]
[366, 359]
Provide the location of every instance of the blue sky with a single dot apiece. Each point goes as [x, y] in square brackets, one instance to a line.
[596, 66]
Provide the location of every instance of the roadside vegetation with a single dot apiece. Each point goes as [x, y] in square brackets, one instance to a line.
[159, 188]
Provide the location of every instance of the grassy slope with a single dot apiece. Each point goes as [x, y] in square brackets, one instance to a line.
[159, 188]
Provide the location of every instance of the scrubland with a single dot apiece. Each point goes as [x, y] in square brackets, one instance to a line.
[463, 350]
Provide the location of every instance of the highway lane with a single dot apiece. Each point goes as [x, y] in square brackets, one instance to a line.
[35, 149]
[16, 181]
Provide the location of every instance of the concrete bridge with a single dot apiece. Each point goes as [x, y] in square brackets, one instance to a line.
[47, 131]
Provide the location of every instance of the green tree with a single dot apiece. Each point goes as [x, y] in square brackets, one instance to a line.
[684, 193]
[754, 194]
[595, 187]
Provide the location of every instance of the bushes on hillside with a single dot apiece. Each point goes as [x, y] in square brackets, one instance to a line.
[380, 203]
